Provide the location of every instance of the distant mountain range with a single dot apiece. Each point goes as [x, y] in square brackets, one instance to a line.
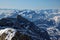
[35, 24]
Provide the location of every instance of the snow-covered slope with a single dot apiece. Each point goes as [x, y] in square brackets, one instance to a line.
[9, 33]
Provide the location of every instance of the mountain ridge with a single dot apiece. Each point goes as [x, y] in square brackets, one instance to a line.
[26, 21]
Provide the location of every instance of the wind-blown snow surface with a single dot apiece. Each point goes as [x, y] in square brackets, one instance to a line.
[48, 19]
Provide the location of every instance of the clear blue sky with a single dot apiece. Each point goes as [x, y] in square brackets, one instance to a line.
[30, 4]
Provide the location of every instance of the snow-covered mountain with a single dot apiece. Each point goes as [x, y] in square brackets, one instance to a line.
[36, 24]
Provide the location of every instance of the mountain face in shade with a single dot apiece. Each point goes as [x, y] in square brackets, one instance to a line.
[29, 24]
[25, 25]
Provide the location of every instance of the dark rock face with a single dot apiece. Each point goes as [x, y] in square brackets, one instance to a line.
[21, 23]
[32, 27]
[2, 37]
[20, 36]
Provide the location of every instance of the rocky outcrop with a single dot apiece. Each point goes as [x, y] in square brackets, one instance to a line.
[2, 37]
[12, 34]
[20, 36]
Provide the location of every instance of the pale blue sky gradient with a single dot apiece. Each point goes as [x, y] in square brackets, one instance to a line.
[30, 4]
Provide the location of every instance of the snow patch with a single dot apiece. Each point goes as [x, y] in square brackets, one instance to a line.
[56, 18]
[9, 31]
